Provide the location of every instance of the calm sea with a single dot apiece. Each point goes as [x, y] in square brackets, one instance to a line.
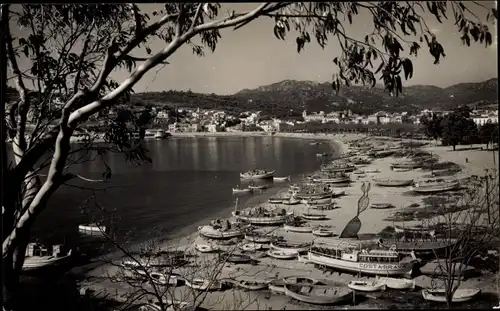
[190, 179]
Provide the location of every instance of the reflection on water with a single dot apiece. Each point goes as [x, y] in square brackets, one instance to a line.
[189, 180]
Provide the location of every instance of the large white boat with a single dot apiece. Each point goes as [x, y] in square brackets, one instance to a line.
[257, 174]
[38, 257]
[353, 257]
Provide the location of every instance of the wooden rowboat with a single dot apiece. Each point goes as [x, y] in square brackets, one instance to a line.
[366, 285]
[461, 295]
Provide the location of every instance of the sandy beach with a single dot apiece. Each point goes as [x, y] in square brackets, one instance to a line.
[472, 162]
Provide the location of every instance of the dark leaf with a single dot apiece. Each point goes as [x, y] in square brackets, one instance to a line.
[399, 85]
[335, 60]
[407, 68]
[380, 67]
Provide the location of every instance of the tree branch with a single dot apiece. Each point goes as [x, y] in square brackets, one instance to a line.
[82, 57]
[196, 15]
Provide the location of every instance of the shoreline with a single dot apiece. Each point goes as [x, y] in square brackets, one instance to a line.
[373, 220]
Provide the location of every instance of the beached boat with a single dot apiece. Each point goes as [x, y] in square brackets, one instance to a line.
[419, 247]
[366, 285]
[393, 182]
[405, 165]
[275, 200]
[281, 254]
[257, 237]
[401, 284]
[278, 285]
[168, 305]
[298, 227]
[203, 284]
[205, 248]
[316, 293]
[250, 284]
[39, 257]
[163, 279]
[257, 174]
[324, 207]
[416, 230]
[332, 178]
[350, 256]
[291, 246]
[443, 267]
[241, 190]
[251, 247]
[238, 258]
[286, 178]
[316, 201]
[372, 171]
[257, 187]
[381, 205]
[223, 230]
[313, 195]
[358, 172]
[291, 201]
[460, 295]
[92, 229]
[338, 168]
[314, 216]
[438, 187]
[401, 169]
[261, 216]
[322, 232]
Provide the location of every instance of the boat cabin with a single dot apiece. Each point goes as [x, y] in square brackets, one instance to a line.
[40, 250]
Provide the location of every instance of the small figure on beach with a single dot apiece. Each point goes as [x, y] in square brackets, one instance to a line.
[466, 160]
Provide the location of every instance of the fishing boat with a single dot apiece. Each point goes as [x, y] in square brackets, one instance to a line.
[393, 182]
[338, 168]
[261, 216]
[277, 286]
[401, 169]
[257, 237]
[416, 230]
[381, 205]
[316, 201]
[92, 229]
[443, 267]
[358, 172]
[281, 254]
[405, 165]
[203, 284]
[460, 295]
[223, 230]
[420, 247]
[291, 201]
[324, 207]
[168, 305]
[320, 294]
[163, 279]
[257, 187]
[356, 258]
[250, 284]
[313, 195]
[322, 232]
[205, 248]
[437, 187]
[372, 171]
[238, 258]
[275, 200]
[291, 246]
[314, 216]
[366, 285]
[303, 258]
[332, 178]
[251, 247]
[241, 190]
[286, 178]
[298, 227]
[39, 257]
[257, 174]
[400, 284]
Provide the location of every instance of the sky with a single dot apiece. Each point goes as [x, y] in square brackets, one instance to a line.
[251, 56]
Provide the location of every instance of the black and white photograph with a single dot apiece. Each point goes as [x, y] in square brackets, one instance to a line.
[250, 156]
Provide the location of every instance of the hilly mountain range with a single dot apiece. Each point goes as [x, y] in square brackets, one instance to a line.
[291, 97]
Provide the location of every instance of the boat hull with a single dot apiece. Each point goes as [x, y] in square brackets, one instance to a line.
[332, 180]
[277, 220]
[459, 296]
[214, 234]
[33, 263]
[316, 299]
[365, 287]
[298, 229]
[257, 176]
[393, 183]
[314, 217]
[400, 284]
[435, 189]
[371, 268]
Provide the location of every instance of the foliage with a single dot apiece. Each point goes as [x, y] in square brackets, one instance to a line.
[488, 133]
[458, 128]
[432, 125]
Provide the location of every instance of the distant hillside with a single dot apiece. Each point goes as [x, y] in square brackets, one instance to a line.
[282, 97]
